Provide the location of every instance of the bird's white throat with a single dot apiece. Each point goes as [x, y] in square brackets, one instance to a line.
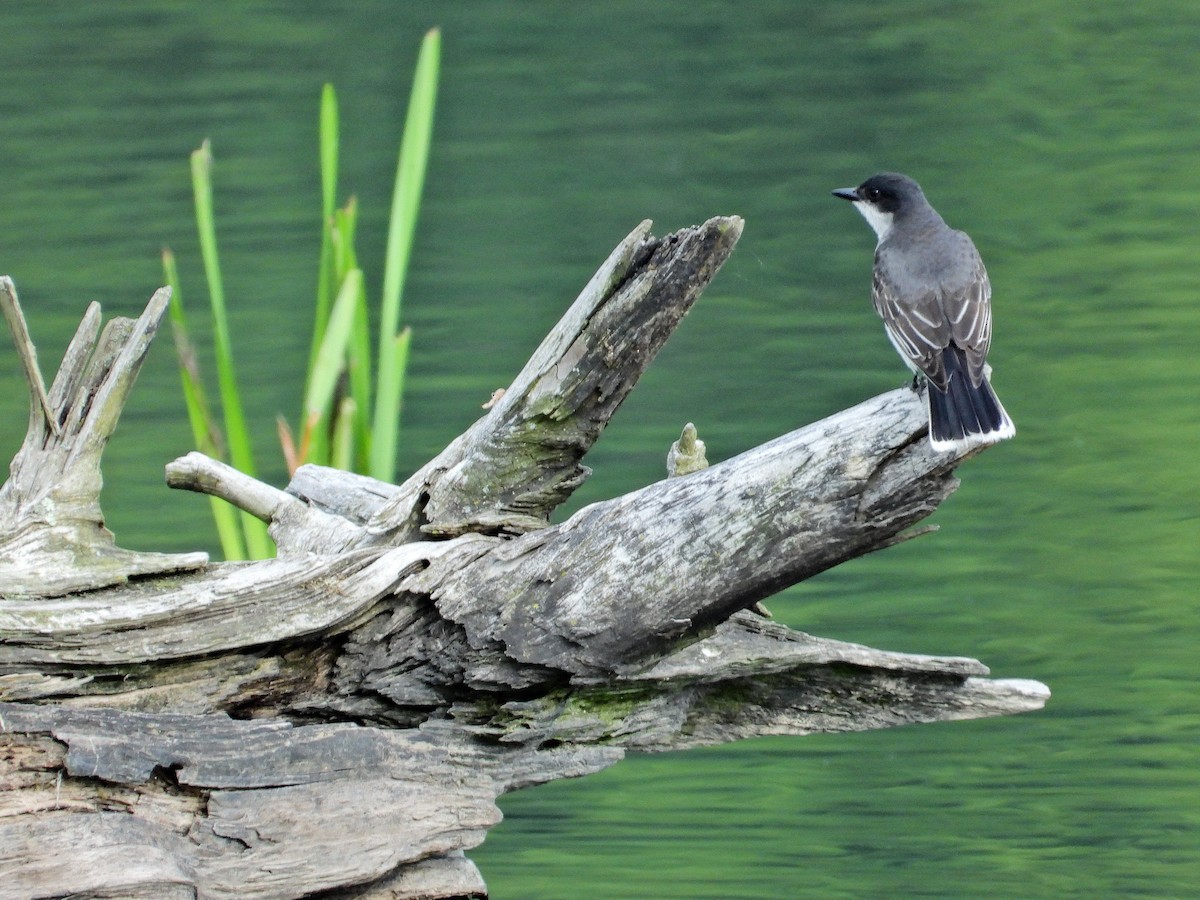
[878, 219]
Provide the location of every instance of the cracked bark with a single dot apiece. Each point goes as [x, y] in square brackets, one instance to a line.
[343, 717]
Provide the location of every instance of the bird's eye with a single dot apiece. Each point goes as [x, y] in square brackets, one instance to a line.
[872, 194]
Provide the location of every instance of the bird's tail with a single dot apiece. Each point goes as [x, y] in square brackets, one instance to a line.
[965, 415]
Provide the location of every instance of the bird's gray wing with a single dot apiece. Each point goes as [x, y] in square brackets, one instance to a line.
[915, 323]
[968, 309]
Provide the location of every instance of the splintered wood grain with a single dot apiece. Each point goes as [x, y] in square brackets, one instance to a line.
[623, 579]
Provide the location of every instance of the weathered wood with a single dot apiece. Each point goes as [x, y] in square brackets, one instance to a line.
[284, 810]
[343, 717]
[53, 540]
[704, 546]
[513, 467]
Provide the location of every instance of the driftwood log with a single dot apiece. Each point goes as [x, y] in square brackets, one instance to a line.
[341, 719]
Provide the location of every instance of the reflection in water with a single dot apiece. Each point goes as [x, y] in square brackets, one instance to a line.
[1063, 141]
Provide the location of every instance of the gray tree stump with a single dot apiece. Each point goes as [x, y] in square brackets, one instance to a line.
[342, 718]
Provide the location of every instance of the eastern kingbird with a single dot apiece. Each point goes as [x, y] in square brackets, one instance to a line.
[931, 290]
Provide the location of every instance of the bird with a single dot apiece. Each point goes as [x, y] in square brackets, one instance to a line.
[932, 291]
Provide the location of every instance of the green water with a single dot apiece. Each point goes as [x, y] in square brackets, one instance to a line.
[1063, 136]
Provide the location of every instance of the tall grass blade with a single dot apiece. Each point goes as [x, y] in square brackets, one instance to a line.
[391, 391]
[406, 198]
[241, 455]
[331, 357]
[358, 353]
[206, 433]
[327, 278]
[344, 427]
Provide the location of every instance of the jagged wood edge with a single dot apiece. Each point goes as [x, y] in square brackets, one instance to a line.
[510, 470]
[52, 535]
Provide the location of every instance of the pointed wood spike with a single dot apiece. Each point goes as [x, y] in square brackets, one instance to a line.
[15, 317]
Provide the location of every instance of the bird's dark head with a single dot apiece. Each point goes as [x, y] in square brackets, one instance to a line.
[888, 192]
[884, 197]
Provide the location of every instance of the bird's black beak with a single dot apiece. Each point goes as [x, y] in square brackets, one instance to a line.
[850, 194]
